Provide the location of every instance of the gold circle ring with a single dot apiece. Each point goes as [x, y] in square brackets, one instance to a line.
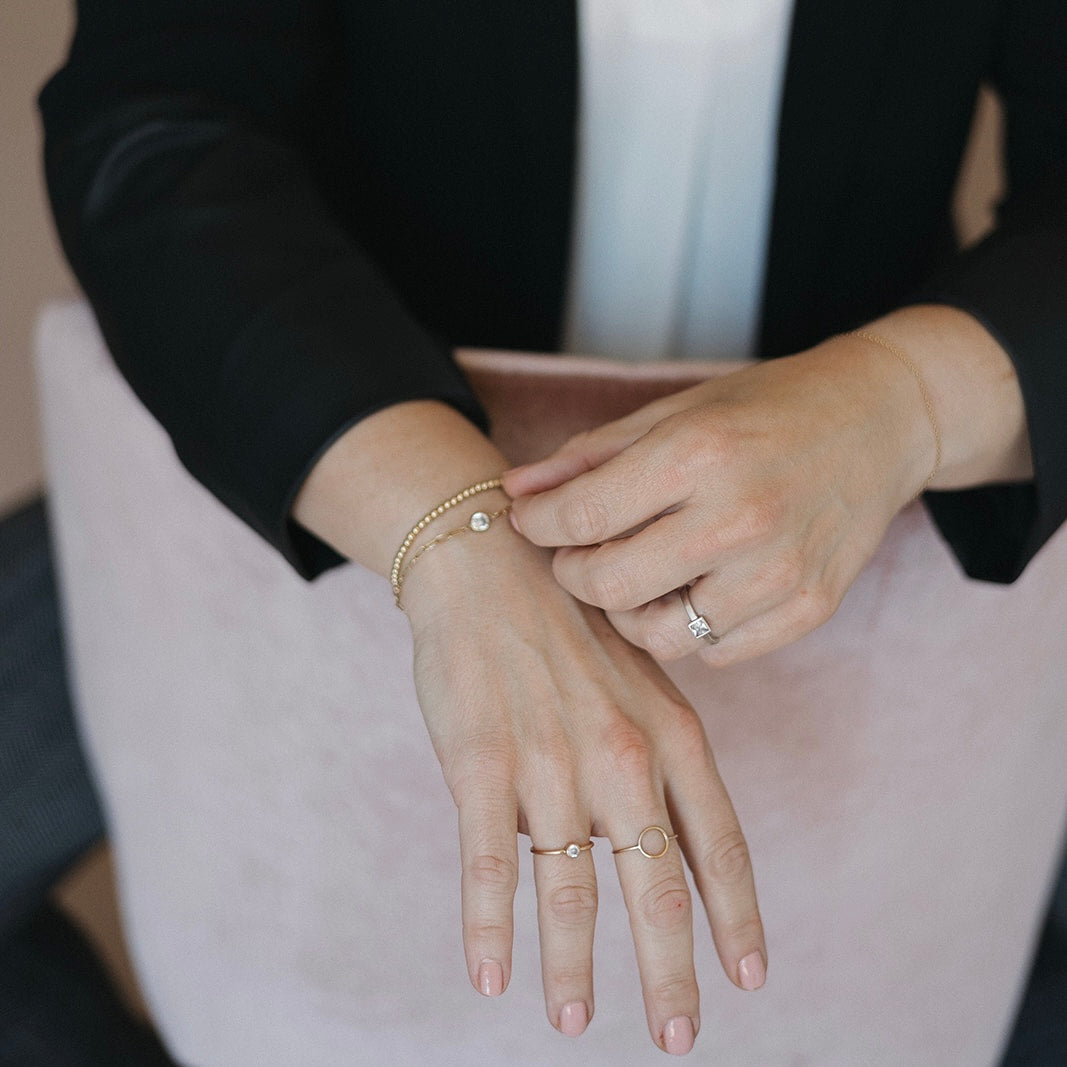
[572, 849]
[640, 846]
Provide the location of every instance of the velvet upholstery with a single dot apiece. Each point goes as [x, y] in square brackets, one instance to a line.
[287, 848]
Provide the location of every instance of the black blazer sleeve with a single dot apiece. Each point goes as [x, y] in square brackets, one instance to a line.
[1015, 283]
[243, 315]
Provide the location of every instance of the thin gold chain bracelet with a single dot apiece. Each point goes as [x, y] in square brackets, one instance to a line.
[479, 522]
[396, 578]
[928, 403]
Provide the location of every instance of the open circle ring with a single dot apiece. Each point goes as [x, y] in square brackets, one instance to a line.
[640, 846]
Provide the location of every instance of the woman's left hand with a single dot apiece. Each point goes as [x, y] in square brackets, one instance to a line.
[767, 490]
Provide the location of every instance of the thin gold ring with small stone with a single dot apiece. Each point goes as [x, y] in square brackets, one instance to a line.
[640, 846]
[571, 849]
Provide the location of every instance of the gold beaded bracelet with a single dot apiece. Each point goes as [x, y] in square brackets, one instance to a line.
[479, 522]
[874, 339]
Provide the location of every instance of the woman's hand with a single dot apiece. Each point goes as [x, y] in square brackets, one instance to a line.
[547, 723]
[768, 490]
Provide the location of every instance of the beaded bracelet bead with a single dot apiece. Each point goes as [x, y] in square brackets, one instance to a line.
[479, 522]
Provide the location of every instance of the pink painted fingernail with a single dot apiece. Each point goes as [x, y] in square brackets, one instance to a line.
[752, 971]
[490, 979]
[574, 1018]
[678, 1035]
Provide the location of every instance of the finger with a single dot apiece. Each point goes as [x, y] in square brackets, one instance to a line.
[782, 625]
[566, 916]
[614, 498]
[661, 922]
[489, 859]
[629, 572]
[582, 452]
[786, 621]
[726, 600]
[718, 856]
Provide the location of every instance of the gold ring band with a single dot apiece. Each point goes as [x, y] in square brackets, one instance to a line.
[640, 847]
[571, 849]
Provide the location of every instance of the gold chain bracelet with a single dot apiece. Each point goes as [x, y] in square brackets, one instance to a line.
[928, 403]
[479, 522]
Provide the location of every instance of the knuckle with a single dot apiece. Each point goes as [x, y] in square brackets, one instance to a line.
[550, 757]
[688, 731]
[680, 461]
[482, 765]
[573, 904]
[727, 859]
[628, 751]
[784, 571]
[610, 588]
[675, 989]
[667, 907]
[661, 642]
[698, 443]
[584, 520]
[817, 604]
[756, 518]
[478, 932]
[496, 873]
[747, 931]
[566, 978]
[704, 544]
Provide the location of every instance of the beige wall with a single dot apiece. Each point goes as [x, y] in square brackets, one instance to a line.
[33, 38]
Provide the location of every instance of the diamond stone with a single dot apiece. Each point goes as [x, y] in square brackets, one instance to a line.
[480, 522]
[699, 628]
[573, 851]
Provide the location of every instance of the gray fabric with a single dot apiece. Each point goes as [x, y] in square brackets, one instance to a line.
[49, 812]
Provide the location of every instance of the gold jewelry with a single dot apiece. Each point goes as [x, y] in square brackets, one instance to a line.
[572, 849]
[698, 625]
[640, 847]
[479, 522]
[874, 339]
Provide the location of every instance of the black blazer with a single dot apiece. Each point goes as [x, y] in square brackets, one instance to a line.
[286, 212]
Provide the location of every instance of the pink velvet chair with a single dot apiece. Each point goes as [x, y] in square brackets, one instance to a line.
[287, 848]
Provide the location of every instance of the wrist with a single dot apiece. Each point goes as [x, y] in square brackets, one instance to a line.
[385, 472]
[974, 391]
[878, 406]
[469, 513]
[489, 574]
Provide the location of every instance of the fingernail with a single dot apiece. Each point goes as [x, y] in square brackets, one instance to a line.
[574, 1018]
[490, 979]
[514, 521]
[678, 1035]
[752, 971]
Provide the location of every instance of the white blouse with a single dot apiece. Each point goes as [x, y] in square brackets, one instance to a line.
[678, 122]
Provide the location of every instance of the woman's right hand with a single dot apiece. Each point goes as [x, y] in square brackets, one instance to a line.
[547, 723]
